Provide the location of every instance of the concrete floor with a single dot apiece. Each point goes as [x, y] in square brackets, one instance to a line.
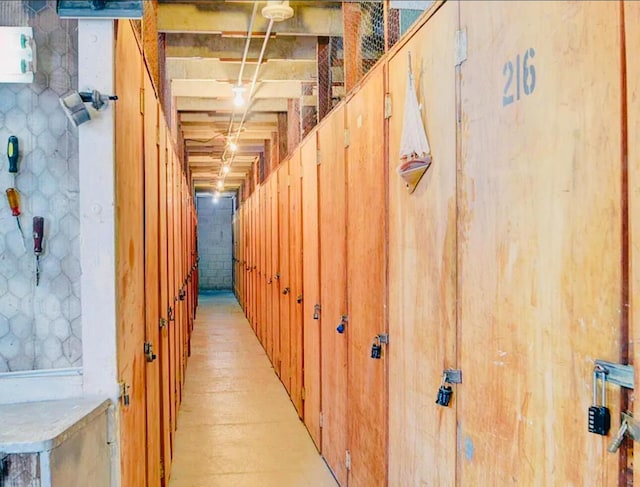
[237, 426]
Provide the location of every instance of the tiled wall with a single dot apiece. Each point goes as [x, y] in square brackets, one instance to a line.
[215, 247]
[40, 327]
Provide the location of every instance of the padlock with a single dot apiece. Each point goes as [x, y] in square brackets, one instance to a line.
[444, 393]
[599, 414]
[376, 349]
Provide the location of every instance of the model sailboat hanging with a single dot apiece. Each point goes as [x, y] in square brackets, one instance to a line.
[415, 153]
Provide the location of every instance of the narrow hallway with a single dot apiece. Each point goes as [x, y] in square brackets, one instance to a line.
[237, 426]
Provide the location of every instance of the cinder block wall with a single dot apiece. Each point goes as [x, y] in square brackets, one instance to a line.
[215, 242]
[40, 327]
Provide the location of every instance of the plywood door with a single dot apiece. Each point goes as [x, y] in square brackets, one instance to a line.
[333, 274]
[262, 213]
[164, 350]
[271, 269]
[311, 287]
[129, 209]
[274, 318]
[152, 282]
[284, 245]
[295, 270]
[632, 77]
[174, 365]
[422, 265]
[366, 283]
[540, 235]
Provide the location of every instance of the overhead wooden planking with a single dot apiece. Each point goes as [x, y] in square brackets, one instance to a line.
[311, 286]
[187, 45]
[422, 264]
[366, 283]
[188, 104]
[333, 275]
[295, 270]
[214, 18]
[129, 230]
[210, 88]
[273, 70]
[216, 117]
[540, 240]
[285, 281]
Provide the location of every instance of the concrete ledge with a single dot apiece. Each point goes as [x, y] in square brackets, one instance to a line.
[40, 385]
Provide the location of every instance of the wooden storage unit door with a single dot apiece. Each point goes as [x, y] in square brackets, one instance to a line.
[164, 347]
[422, 264]
[632, 74]
[152, 284]
[333, 275]
[366, 282]
[274, 289]
[540, 278]
[284, 283]
[271, 270]
[129, 223]
[311, 286]
[261, 216]
[173, 362]
[295, 272]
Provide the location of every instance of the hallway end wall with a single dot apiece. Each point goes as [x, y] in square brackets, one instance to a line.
[215, 242]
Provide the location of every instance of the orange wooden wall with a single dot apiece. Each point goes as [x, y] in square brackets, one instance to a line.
[514, 261]
[156, 263]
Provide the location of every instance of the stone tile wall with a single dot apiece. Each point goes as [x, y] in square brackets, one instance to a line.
[40, 327]
[215, 243]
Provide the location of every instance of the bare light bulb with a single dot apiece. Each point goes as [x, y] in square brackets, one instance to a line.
[220, 184]
[225, 169]
[238, 98]
[233, 146]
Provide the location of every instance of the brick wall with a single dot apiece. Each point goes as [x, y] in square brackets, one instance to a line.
[215, 242]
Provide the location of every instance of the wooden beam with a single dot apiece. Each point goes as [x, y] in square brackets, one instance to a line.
[215, 69]
[186, 45]
[211, 105]
[206, 88]
[283, 136]
[219, 17]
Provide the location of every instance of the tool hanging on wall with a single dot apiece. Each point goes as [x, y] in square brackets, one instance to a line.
[38, 232]
[12, 155]
[14, 204]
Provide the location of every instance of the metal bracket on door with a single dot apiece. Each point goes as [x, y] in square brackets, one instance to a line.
[453, 376]
[622, 375]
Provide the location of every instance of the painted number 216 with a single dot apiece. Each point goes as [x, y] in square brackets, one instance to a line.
[525, 78]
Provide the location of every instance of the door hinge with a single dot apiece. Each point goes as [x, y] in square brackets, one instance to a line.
[347, 459]
[162, 323]
[461, 46]
[388, 107]
[321, 420]
[303, 394]
[347, 137]
[124, 393]
[148, 352]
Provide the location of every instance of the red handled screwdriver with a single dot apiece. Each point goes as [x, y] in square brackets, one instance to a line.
[38, 232]
[14, 204]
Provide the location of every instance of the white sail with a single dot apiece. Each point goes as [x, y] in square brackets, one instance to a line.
[414, 141]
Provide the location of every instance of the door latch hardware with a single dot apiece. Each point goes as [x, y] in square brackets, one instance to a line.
[343, 324]
[622, 375]
[162, 323]
[316, 312]
[148, 352]
[628, 427]
[170, 314]
[299, 299]
[124, 393]
[285, 291]
[599, 414]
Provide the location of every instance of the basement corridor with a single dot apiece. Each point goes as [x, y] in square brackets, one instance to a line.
[236, 425]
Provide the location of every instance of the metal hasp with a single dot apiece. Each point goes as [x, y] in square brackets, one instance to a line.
[343, 324]
[628, 427]
[622, 375]
[453, 376]
[316, 312]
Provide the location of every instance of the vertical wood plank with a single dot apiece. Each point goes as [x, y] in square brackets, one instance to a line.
[275, 287]
[366, 283]
[152, 281]
[295, 269]
[540, 252]
[285, 281]
[311, 287]
[129, 208]
[422, 264]
[332, 219]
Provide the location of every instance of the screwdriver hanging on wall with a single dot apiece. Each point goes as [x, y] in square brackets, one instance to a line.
[14, 204]
[12, 155]
[38, 232]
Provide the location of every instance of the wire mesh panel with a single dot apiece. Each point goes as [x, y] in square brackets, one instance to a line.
[19, 470]
[401, 15]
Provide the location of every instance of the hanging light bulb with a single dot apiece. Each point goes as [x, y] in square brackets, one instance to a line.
[238, 98]
[233, 146]
[220, 184]
[225, 169]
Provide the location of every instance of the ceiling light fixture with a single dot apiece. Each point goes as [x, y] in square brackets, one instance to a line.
[277, 11]
[225, 169]
[238, 95]
[220, 184]
[233, 146]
